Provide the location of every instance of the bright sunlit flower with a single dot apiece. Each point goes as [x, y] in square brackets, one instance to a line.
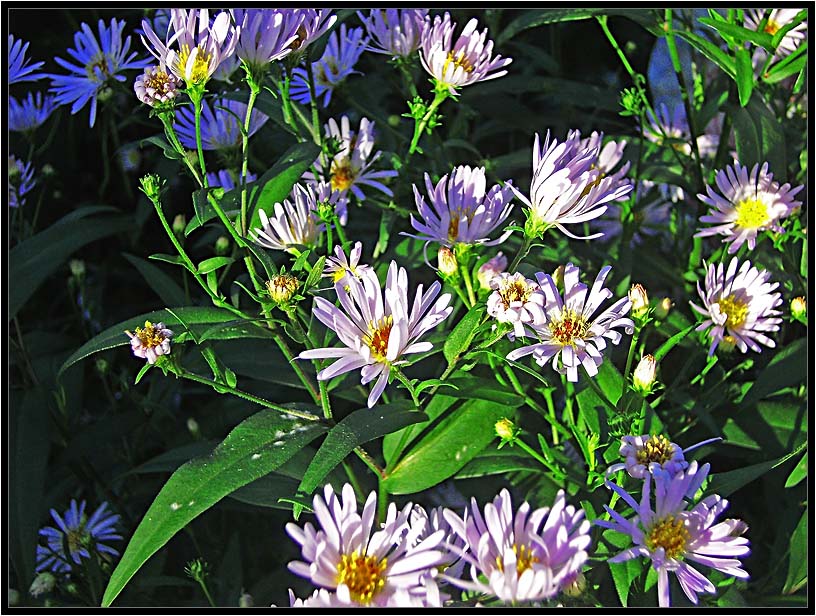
[295, 222]
[396, 32]
[365, 565]
[98, 62]
[31, 113]
[489, 269]
[739, 304]
[377, 328]
[156, 86]
[151, 341]
[673, 536]
[570, 335]
[20, 180]
[463, 63]
[516, 300]
[340, 266]
[266, 36]
[462, 210]
[747, 205]
[521, 555]
[19, 67]
[646, 453]
[778, 19]
[221, 124]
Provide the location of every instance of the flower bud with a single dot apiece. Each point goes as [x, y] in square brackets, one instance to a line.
[179, 224]
[558, 277]
[282, 287]
[42, 584]
[104, 95]
[77, 267]
[505, 429]
[447, 261]
[151, 186]
[798, 307]
[47, 170]
[192, 426]
[246, 600]
[491, 268]
[663, 307]
[222, 245]
[577, 587]
[640, 301]
[102, 366]
[643, 378]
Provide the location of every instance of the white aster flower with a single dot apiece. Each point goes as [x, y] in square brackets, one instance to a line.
[516, 300]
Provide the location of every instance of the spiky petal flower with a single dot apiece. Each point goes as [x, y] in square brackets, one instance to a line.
[462, 210]
[377, 333]
[521, 555]
[295, 222]
[362, 564]
[98, 62]
[739, 304]
[314, 24]
[340, 266]
[31, 113]
[516, 300]
[673, 536]
[221, 124]
[570, 335]
[778, 19]
[397, 32]
[151, 341]
[77, 536]
[20, 180]
[647, 453]
[156, 86]
[19, 67]
[748, 204]
[468, 61]
[266, 36]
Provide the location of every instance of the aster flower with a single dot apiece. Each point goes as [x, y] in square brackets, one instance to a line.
[336, 63]
[98, 62]
[31, 113]
[151, 341]
[201, 45]
[77, 536]
[19, 67]
[778, 19]
[314, 24]
[516, 300]
[20, 180]
[396, 32]
[647, 453]
[340, 266]
[740, 305]
[673, 536]
[462, 210]
[489, 269]
[330, 202]
[426, 523]
[568, 185]
[267, 35]
[159, 22]
[666, 127]
[377, 333]
[521, 556]
[364, 566]
[570, 335]
[156, 86]
[226, 179]
[221, 124]
[351, 166]
[463, 63]
[747, 205]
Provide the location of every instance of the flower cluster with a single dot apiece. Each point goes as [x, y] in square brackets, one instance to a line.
[396, 32]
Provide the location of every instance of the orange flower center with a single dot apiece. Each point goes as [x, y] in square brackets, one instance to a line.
[377, 337]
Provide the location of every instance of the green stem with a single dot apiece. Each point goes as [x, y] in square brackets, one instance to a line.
[382, 502]
[313, 102]
[439, 96]
[522, 252]
[468, 283]
[533, 453]
[197, 97]
[631, 355]
[324, 399]
[283, 86]
[222, 216]
[404, 380]
[170, 133]
[254, 90]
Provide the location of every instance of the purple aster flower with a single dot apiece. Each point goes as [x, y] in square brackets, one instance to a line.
[98, 62]
[463, 63]
[340, 266]
[647, 453]
[516, 300]
[426, 523]
[151, 341]
[377, 333]
[221, 124]
[31, 113]
[76, 537]
[740, 304]
[666, 127]
[336, 63]
[570, 335]
[227, 180]
[19, 68]
[571, 182]
[351, 166]
[462, 210]
[673, 536]
[521, 556]
[490, 269]
[747, 205]
[314, 24]
[201, 45]
[156, 87]
[20, 180]
[396, 32]
[267, 35]
[159, 23]
[295, 223]
[362, 564]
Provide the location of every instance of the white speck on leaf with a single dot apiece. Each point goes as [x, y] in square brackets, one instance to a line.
[175, 506]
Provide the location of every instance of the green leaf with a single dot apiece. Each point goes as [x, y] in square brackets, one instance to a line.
[710, 51]
[32, 261]
[759, 136]
[165, 287]
[256, 447]
[394, 444]
[204, 211]
[799, 472]
[786, 369]
[791, 65]
[496, 462]
[458, 438]
[726, 484]
[462, 335]
[740, 34]
[531, 19]
[174, 259]
[672, 342]
[745, 76]
[798, 563]
[624, 575]
[471, 388]
[159, 140]
[314, 276]
[213, 264]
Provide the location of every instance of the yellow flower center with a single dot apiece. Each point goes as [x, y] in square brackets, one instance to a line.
[282, 287]
[524, 559]
[568, 327]
[772, 27]
[149, 336]
[459, 60]
[751, 214]
[670, 534]
[74, 539]
[364, 575]
[201, 64]
[656, 449]
[159, 81]
[377, 337]
[514, 290]
[735, 309]
[100, 61]
[342, 175]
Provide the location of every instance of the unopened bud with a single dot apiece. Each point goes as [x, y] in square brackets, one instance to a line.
[151, 186]
[104, 95]
[179, 224]
[577, 587]
[222, 245]
[47, 170]
[282, 287]
[446, 261]
[663, 307]
[246, 600]
[101, 366]
[394, 120]
[42, 584]
[506, 429]
[640, 301]
[192, 426]
[643, 378]
[77, 267]
[798, 307]
[493, 267]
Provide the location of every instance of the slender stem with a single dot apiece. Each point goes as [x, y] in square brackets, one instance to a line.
[352, 477]
[468, 283]
[522, 252]
[602, 395]
[404, 380]
[290, 358]
[254, 90]
[382, 502]
[170, 133]
[313, 104]
[230, 226]
[283, 86]
[324, 399]
[440, 95]
[206, 590]
[197, 98]
[631, 355]
[369, 462]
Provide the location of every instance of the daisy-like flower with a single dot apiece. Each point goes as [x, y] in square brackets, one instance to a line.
[19, 67]
[336, 63]
[778, 19]
[330, 202]
[227, 180]
[396, 32]
[740, 304]
[295, 222]
[31, 113]
[221, 124]
[98, 62]
[468, 61]
[377, 333]
[267, 36]
[516, 300]
[493, 267]
[151, 341]
[364, 565]
[747, 205]
[314, 24]
[673, 536]
[77, 536]
[646, 453]
[568, 184]
[570, 335]
[156, 86]
[521, 556]
[340, 266]
[462, 210]
[201, 45]
[351, 166]
[20, 180]
[666, 127]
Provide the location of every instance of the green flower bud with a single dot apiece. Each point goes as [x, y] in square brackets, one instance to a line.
[42, 584]
[222, 245]
[282, 287]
